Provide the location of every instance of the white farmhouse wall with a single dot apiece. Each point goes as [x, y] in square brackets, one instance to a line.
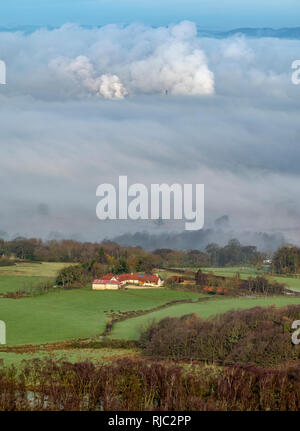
[105, 286]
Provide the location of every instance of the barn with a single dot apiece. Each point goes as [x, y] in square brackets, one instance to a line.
[101, 284]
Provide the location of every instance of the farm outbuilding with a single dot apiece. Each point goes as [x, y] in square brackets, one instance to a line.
[111, 281]
[101, 284]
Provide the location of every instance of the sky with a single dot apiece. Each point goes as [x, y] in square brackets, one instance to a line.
[84, 105]
[209, 14]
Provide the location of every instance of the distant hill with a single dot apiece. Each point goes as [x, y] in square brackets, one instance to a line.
[26, 29]
[281, 33]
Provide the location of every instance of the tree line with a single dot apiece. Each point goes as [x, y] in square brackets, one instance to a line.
[286, 260]
[34, 249]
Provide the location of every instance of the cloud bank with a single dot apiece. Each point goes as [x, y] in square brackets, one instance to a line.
[111, 62]
[83, 106]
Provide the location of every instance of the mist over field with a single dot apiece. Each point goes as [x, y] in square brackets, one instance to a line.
[167, 104]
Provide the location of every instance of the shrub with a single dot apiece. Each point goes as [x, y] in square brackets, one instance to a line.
[234, 285]
[71, 276]
[262, 285]
[40, 289]
[131, 384]
[260, 336]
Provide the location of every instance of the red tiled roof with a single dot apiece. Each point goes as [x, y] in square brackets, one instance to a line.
[108, 276]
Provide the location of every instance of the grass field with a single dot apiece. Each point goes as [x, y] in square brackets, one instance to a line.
[26, 276]
[63, 315]
[291, 282]
[12, 283]
[44, 269]
[131, 329]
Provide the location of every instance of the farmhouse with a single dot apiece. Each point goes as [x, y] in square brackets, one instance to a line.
[111, 281]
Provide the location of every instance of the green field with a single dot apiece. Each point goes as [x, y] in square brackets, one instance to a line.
[27, 275]
[245, 271]
[44, 269]
[291, 282]
[63, 315]
[131, 329]
[12, 283]
[82, 313]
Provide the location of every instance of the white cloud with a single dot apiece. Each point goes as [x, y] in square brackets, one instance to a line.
[109, 62]
[238, 49]
[61, 135]
[82, 73]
